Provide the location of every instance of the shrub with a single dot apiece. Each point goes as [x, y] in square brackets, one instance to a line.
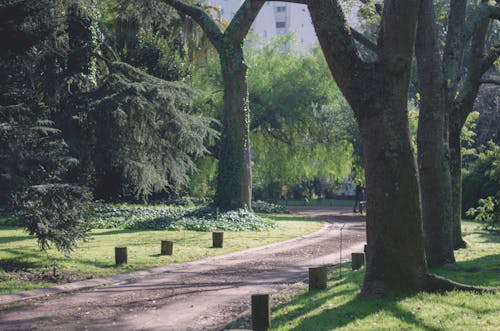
[55, 213]
[266, 207]
[201, 218]
[488, 211]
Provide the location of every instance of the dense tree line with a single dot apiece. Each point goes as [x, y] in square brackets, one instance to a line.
[75, 109]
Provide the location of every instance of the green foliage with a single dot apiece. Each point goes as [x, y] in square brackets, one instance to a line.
[142, 137]
[488, 211]
[482, 178]
[201, 218]
[54, 213]
[268, 208]
[32, 150]
[303, 130]
[148, 35]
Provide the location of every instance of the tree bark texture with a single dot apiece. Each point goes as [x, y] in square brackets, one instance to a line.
[432, 138]
[377, 93]
[456, 182]
[234, 181]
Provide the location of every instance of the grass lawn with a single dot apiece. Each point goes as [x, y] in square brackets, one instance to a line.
[340, 307]
[23, 266]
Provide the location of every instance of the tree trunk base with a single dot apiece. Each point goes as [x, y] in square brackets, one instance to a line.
[461, 244]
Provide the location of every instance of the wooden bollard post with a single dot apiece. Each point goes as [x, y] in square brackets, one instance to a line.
[261, 312]
[167, 247]
[317, 278]
[217, 239]
[121, 255]
[357, 260]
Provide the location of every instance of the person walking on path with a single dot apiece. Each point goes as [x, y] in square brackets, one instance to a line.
[360, 197]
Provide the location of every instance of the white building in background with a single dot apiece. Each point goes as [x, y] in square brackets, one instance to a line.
[275, 19]
[282, 18]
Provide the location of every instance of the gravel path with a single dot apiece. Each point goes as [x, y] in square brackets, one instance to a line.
[199, 295]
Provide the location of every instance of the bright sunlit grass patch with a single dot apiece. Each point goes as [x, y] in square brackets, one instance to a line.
[22, 263]
[340, 307]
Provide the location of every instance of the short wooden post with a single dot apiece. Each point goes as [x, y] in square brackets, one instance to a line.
[357, 260]
[217, 239]
[261, 312]
[167, 247]
[121, 255]
[366, 252]
[317, 278]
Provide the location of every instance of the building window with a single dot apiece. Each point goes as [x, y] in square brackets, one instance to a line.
[280, 25]
[280, 9]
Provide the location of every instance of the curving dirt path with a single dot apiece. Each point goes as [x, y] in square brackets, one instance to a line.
[199, 295]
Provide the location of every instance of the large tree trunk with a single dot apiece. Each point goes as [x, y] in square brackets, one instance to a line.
[456, 182]
[377, 93]
[394, 228]
[432, 138]
[234, 181]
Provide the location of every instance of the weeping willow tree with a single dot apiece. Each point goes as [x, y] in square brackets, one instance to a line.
[143, 137]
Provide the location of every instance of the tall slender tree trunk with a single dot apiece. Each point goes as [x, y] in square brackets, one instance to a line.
[234, 181]
[432, 138]
[456, 181]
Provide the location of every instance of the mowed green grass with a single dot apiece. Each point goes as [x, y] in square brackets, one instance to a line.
[95, 257]
[340, 307]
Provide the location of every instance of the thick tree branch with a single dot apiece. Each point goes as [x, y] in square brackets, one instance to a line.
[243, 20]
[454, 48]
[478, 65]
[481, 13]
[360, 38]
[428, 59]
[337, 43]
[396, 39]
[197, 13]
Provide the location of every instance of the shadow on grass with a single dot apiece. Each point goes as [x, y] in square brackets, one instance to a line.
[10, 239]
[492, 236]
[12, 265]
[483, 271]
[324, 310]
[111, 232]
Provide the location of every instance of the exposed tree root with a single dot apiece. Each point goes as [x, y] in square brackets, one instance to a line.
[439, 284]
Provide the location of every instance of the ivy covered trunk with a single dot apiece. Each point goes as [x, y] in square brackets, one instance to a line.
[234, 181]
[234, 175]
